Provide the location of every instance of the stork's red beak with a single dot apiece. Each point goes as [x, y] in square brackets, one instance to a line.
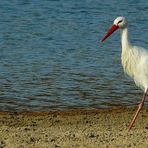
[110, 31]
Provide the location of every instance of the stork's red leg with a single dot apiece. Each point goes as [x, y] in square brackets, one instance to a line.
[138, 110]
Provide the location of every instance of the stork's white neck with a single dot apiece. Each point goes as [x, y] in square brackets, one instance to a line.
[124, 39]
[127, 54]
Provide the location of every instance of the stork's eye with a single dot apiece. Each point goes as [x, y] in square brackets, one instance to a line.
[119, 21]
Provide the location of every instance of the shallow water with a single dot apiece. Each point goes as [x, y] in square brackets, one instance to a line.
[52, 58]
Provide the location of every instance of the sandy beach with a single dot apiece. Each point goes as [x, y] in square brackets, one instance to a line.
[73, 129]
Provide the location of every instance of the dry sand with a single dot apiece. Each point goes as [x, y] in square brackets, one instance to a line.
[74, 129]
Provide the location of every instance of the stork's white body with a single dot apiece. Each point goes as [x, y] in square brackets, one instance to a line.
[134, 60]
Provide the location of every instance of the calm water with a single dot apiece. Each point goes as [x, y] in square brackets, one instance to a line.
[51, 55]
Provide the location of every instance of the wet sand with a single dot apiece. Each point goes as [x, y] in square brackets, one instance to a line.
[74, 129]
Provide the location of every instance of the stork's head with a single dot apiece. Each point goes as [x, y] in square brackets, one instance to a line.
[119, 23]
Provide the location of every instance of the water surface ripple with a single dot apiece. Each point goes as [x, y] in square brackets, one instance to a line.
[52, 59]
